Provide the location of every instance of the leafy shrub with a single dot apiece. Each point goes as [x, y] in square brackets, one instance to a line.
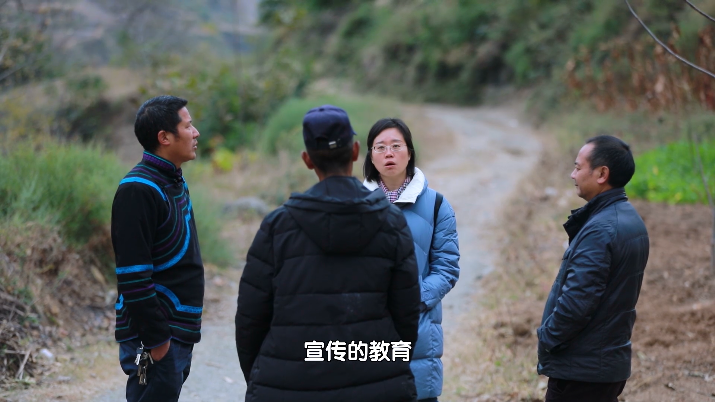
[83, 110]
[229, 97]
[447, 50]
[671, 174]
[66, 185]
[209, 224]
[72, 187]
[283, 131]
[27, 48]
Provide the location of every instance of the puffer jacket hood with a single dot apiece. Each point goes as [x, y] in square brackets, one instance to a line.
[337, 208]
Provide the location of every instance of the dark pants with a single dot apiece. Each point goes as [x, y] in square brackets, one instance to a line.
[568, 391]
[164, 378]
[428, 400]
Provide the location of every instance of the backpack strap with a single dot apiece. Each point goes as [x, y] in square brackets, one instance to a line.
[437, 203]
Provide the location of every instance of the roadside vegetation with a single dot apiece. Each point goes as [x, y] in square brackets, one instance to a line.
[669, 149]
[450, 50]
[283, 131]
[671, 173]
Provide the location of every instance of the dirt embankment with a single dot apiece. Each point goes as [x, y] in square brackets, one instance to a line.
[53, 299]
[673, 340]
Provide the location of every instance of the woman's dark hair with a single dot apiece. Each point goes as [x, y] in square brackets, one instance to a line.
[368, 168]
[155, 115]
[616, 155]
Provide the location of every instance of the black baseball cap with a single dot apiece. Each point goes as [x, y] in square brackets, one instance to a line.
[327, 127]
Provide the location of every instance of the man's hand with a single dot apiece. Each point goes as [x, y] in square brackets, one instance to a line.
[159, 352]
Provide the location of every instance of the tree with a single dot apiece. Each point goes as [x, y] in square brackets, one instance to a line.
[696, 143]
[24, 43]
[708, 191]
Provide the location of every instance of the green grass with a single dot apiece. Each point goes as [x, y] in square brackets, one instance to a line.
[666, 167]
[671, 173]
[640, 129]
[72, 187]
[283, 131]
[208, 216]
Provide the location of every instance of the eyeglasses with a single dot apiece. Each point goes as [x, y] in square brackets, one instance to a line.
[381, 149]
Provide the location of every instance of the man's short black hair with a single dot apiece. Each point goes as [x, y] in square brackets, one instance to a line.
[615, 154]
[157, 114]
[332, 161]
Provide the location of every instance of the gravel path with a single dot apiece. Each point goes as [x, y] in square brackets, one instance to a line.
[491, 152]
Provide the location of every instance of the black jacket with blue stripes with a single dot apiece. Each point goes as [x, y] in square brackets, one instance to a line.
[160, 276]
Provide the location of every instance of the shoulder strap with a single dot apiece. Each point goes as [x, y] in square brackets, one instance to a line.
[437, 204]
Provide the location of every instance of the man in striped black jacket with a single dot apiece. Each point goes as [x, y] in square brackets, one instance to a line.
[160, 276]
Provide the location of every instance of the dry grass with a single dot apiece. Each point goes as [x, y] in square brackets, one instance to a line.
[47, 301]
[267, 177]
[94, 366]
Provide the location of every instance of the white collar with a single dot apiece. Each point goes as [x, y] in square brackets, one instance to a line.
[412, 191]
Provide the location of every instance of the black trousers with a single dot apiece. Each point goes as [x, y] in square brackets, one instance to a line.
[579, 391]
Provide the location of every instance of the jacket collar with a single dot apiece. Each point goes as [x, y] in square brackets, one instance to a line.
[580, 216]
[414, 189]
[338, 194]
[339, 214]
[162, 165]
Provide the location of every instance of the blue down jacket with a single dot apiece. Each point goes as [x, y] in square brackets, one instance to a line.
[438, 264]
[585, 332]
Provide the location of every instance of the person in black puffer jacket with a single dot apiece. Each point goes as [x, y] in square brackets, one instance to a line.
[329, 299]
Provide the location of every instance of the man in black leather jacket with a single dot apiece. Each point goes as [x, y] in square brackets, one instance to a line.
[584, 338]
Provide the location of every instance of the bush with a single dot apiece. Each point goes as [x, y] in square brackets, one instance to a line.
[283, 131]
[208, 216]
[229, 97]
[671, 174]
[72, 187]
[663, 173]
[447, 51]
[65, 185]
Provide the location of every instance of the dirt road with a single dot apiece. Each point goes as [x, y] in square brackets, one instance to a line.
[474, 156]
[489, 153]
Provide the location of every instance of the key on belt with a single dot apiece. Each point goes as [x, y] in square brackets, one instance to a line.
[143, 360]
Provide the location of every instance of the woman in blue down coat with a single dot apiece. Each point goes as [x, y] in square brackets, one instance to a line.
[390, 166]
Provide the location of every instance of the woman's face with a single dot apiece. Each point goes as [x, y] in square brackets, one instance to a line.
[390, 163]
